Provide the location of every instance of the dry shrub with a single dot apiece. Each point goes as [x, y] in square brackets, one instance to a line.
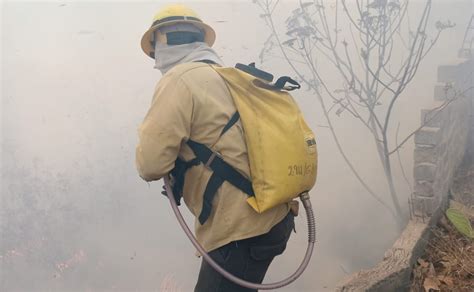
[448, 263]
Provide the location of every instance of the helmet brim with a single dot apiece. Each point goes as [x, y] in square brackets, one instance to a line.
[148, 46]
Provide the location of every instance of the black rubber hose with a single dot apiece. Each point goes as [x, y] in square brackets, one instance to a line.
[304, 197]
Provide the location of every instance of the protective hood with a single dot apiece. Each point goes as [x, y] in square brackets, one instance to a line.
[166, 56]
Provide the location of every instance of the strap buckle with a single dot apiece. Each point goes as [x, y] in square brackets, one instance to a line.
[211, 159]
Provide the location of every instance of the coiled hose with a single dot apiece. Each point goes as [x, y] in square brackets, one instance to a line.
[304, 197]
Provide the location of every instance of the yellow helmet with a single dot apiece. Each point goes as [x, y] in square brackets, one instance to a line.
[172, 14]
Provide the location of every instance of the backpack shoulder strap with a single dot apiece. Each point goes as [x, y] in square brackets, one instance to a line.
[235, 117]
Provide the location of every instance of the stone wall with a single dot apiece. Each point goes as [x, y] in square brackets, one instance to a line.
[446, 136]
[443, 141]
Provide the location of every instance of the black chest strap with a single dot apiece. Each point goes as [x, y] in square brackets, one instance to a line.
[221, 171]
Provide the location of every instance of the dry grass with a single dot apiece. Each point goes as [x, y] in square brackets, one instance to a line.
[448, 262]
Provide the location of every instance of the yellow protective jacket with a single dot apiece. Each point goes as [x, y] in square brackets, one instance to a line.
[191, 101]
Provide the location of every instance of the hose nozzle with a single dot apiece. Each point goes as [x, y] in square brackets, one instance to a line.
[304, 197]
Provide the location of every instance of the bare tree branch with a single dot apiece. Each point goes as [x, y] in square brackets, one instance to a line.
[438, 110]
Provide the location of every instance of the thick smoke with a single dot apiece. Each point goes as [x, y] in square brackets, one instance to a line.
[74, 213]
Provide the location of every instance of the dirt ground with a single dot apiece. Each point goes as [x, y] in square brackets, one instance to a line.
[448, 262]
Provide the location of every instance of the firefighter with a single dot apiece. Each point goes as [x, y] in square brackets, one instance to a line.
[192, 102]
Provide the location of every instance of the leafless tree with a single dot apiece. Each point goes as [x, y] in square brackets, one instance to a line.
[375, 53]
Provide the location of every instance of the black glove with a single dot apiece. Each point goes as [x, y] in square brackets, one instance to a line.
[176, 193]
[164, 193]
[171, 180]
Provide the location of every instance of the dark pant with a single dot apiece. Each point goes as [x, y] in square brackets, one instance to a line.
[248, 259]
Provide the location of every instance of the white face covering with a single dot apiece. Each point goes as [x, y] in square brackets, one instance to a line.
[166, 56]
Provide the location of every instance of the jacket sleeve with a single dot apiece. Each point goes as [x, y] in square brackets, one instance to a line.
[166, 125]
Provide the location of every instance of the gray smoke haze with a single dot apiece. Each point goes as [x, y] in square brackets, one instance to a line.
[74, 214]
